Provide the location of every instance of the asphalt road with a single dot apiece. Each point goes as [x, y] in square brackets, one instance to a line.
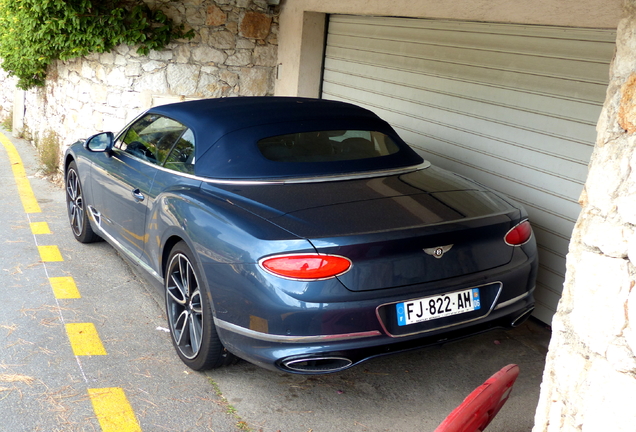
[48, 384]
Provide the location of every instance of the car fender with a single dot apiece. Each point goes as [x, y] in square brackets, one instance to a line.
[225, 239]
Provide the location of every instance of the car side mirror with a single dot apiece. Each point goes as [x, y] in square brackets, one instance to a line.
[101, 142]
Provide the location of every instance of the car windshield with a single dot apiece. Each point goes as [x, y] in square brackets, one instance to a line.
[327, 146]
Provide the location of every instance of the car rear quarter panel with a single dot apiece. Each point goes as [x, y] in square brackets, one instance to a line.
[226, 240]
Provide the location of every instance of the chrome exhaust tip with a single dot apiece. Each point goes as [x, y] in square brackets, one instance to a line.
[316, 365]
[522, 318]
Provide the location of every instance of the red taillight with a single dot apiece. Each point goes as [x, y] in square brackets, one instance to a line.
[519, 235]
[306, 266]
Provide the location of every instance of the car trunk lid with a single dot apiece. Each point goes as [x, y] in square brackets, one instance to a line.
[399, 230]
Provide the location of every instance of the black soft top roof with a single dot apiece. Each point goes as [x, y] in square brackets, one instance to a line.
[227, 131]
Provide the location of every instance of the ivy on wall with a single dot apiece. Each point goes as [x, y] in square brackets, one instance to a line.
[34, 33]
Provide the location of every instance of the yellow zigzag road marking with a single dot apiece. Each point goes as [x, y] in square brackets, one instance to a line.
[113, 410]
[109, 404]
[84, 339]
[64, 287]
[29, 202]
[50, 254]
[40, 228]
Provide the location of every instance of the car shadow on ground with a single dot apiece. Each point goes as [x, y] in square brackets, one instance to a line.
[411, 391]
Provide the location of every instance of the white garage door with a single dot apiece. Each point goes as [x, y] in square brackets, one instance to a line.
[511, 106]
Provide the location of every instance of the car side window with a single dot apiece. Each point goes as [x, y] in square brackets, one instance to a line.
[151, 138]
[181, 158]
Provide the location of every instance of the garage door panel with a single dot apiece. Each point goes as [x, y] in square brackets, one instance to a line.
[518, 44]
[546, 302]
[461, 144]
[559, 187]
[551, 261]
[344, 73]
[570, 155]
[552, 241]
[541, 84]
[520, 38]
[495, 137]
[497, 62]
[552, 278]
[440, 96]
[549, 220]
[512, 106]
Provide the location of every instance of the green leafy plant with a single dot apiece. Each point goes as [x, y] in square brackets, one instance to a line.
[7, 123]
[34, 33]
[49, 151]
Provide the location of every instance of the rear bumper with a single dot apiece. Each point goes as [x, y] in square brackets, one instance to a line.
[332, 353]
[329, 337]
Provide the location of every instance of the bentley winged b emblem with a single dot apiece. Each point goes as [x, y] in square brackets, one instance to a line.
[438, 251]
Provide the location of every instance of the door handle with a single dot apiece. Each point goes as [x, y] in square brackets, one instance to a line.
[137, 195]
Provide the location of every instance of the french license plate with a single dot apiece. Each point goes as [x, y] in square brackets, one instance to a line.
[439, 306]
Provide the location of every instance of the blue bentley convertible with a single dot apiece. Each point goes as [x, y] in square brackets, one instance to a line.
[301, 235]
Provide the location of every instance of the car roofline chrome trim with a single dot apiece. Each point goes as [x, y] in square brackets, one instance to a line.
[282, 181]
[266, 337]
[132, 257]
[320, 179]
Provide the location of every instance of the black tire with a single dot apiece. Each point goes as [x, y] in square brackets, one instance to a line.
[190, 318]
[76, 207]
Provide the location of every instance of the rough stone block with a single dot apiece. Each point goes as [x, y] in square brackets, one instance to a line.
[255, 25]
[254, 81]
[215, 16]
[183, 79]
[205, 54]
[608, 235]
[221, 39]
[152, 66]
[609, 400]
[239, 58]
[155, 82]
[602, 285]
[265, 55]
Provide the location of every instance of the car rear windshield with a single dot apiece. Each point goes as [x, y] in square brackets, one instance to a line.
[327, 146]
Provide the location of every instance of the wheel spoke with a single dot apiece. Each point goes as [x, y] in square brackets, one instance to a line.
[183, 273]
[71, 186]
[79, 216]
[196, 331]
[195, 303]
[177, 292]
[181, 326]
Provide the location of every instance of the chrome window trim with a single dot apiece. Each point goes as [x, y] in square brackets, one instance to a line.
[283, 181]
[320, 179]
[253, 334]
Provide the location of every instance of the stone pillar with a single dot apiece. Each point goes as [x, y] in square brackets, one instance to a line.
[589, 383]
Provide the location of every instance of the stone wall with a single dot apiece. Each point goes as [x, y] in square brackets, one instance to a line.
[589, 382]
[6, 95]
[233, 54]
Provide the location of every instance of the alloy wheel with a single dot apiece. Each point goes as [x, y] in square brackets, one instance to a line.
[75, 202]
[185, 310]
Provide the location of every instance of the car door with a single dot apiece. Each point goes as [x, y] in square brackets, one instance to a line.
[123, 179]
